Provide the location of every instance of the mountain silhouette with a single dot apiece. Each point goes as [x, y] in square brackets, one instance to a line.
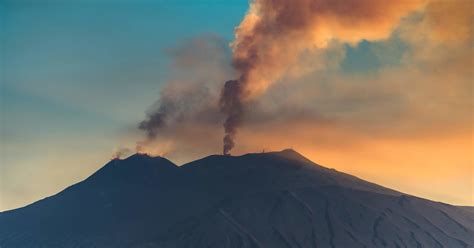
[277, 199]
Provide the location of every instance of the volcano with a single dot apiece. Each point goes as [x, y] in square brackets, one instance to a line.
[278, 199]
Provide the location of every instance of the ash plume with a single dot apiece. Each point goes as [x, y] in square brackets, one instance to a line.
[231, 104]
[188, 100]
[153, 123]
[274, 34]
[121, 153]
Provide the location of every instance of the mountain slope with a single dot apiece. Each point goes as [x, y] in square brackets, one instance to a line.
[278, 199]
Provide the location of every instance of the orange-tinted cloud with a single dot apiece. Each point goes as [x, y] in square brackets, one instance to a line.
[442, 30]
[448, 22]
[274, 34]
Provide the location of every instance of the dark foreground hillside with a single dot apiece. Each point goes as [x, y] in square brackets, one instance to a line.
[270, 200]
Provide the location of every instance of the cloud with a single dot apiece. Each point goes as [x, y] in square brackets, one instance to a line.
[274, 34]
[443, 30]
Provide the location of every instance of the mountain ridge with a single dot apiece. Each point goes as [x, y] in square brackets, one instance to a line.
[274, 199]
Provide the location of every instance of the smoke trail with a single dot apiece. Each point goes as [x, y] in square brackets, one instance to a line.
[153, 123]
[274, 33]
[231, 104]
[121, 152]
[188, 99]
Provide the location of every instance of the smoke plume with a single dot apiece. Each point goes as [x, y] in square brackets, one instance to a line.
[274, 34]
[121, 153]
[231, 105]
[188, 99]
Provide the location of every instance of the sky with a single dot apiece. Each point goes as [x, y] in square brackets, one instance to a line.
[387, 100]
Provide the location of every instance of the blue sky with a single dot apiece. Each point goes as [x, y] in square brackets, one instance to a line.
[78, 74]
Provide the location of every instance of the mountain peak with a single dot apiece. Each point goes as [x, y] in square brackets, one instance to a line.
[288, 154]
[288, 150]
[138, 156]
[137, 168]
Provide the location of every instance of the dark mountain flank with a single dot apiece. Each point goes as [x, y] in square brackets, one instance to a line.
[273, 200]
